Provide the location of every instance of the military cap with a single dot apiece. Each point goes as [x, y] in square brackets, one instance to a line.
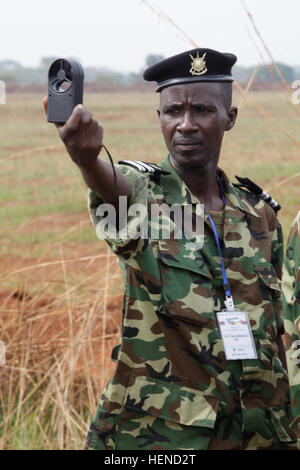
[196, 65]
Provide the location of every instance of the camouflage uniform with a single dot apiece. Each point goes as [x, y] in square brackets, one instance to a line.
[173, 388]
[291, 298]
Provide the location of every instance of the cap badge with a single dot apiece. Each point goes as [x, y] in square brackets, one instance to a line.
[198, 64]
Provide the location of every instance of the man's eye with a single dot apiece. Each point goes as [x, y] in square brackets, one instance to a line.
[201, 109]
[173, 111]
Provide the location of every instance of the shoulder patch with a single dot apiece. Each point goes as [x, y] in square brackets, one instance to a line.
[144, 167]
[246, 183]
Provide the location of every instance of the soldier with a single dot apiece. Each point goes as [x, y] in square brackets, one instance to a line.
[200, 364]
[291, 302]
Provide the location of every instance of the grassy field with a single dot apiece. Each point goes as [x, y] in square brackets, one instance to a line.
[60, 288]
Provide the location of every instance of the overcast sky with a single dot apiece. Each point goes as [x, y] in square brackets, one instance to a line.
[119, 34]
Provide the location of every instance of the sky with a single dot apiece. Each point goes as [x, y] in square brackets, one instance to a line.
[119, 34]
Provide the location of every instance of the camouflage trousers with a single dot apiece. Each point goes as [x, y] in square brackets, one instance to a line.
[235, 431]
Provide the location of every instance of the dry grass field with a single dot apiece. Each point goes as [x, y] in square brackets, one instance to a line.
[60, 288]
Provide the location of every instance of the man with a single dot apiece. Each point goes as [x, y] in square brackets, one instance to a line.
[291, 302]
[174, 387]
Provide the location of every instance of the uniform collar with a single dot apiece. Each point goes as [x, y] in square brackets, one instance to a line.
[177, 192]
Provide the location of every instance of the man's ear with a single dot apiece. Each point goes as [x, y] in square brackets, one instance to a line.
[231, 118]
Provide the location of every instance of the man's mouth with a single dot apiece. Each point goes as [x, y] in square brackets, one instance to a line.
[188, 144]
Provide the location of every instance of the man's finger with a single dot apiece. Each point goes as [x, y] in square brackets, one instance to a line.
[45, 103]
[73, 122]
[86, 118]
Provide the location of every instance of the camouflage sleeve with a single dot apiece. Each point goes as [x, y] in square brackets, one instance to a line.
[291, 301]
[127, 241]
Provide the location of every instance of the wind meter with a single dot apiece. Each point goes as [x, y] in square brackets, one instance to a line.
[65, 89]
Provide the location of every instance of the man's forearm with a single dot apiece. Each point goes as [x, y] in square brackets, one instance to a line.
[99, 177]
[82, 136]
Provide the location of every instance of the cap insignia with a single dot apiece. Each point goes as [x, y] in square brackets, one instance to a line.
[198, 64]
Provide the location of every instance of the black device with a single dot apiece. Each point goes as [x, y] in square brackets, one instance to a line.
[65, 89]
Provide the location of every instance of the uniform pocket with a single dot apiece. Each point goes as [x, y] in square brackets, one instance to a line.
[161, 415]
[181, 254]
[267, 275]
[271, 324]
[186, 281]
[187, 311]
[280, 417]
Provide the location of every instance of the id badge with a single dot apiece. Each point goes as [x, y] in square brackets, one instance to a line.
[236, 335]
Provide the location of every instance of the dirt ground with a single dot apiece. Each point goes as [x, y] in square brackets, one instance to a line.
[67, 295]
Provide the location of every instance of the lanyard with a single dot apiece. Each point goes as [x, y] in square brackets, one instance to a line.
[229, 301]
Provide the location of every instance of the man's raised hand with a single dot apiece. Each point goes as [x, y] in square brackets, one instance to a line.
[82, 136]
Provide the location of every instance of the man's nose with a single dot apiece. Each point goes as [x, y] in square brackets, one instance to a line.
[187, 124]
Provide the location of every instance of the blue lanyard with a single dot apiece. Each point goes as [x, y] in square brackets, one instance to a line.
[229, 301]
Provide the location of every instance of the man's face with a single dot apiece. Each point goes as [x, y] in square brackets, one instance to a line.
[193, 118]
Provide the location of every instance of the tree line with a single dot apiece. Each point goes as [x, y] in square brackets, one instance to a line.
[14, 73]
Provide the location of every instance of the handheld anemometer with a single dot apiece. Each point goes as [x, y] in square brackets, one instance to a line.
[65, 89]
